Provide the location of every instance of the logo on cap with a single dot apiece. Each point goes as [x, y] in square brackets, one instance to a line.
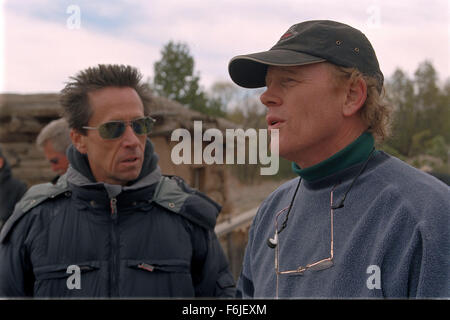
[288, 34]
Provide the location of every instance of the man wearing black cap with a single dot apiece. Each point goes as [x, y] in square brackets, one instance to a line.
[357, 222]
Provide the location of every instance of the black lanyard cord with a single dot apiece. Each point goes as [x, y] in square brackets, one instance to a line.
[284, 225]
[339, 205]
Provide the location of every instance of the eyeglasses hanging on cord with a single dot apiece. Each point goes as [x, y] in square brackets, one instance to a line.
[273, 242]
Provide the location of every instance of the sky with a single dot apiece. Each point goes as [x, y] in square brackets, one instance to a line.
[44, 42]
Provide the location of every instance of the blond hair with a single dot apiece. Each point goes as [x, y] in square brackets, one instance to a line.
[375, 112]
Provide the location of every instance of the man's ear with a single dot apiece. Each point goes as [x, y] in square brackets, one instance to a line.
[78, 140]
[356, 96]
[2, 162]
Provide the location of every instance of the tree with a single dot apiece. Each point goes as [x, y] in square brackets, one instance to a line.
[427, 97]
[225, 93]
[425, 79]
[421, 114]
[174, 77]
[400, 91]
[444, 112]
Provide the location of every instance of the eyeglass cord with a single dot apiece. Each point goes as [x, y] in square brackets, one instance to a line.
[340, 203]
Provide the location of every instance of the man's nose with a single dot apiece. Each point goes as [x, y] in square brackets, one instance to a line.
[129, 137]
[54, 167]
[270, 98]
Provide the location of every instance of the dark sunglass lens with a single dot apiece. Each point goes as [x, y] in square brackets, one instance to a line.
[139, 126]
[112, 130]
[142, 126]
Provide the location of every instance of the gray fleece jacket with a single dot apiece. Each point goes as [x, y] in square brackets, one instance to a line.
[391, 239]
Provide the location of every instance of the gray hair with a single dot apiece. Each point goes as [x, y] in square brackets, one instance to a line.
[57, 131]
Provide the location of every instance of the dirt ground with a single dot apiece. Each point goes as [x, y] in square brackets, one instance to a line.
[245, 197]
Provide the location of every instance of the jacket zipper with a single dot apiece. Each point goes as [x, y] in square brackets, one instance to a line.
[114, 276]
[113, 205]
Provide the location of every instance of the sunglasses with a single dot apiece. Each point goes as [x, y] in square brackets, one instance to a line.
[115, 129]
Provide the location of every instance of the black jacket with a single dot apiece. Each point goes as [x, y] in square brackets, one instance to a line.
[11, 190]
[151, 239]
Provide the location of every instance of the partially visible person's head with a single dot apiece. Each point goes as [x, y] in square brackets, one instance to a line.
[103, 94]
[323, 85]
[54, 139]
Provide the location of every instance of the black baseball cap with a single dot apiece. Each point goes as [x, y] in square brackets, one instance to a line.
[306, 43]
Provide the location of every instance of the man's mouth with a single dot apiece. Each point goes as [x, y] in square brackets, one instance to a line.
[130, 160]
[274, 122]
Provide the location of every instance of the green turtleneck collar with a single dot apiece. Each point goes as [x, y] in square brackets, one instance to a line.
[354, 153]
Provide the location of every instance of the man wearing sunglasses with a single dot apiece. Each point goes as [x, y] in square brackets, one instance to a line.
[357, 222]
[112, 226]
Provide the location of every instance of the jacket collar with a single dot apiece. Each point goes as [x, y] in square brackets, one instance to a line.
[356, 152]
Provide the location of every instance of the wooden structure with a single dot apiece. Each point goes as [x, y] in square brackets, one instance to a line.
[23, 116]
